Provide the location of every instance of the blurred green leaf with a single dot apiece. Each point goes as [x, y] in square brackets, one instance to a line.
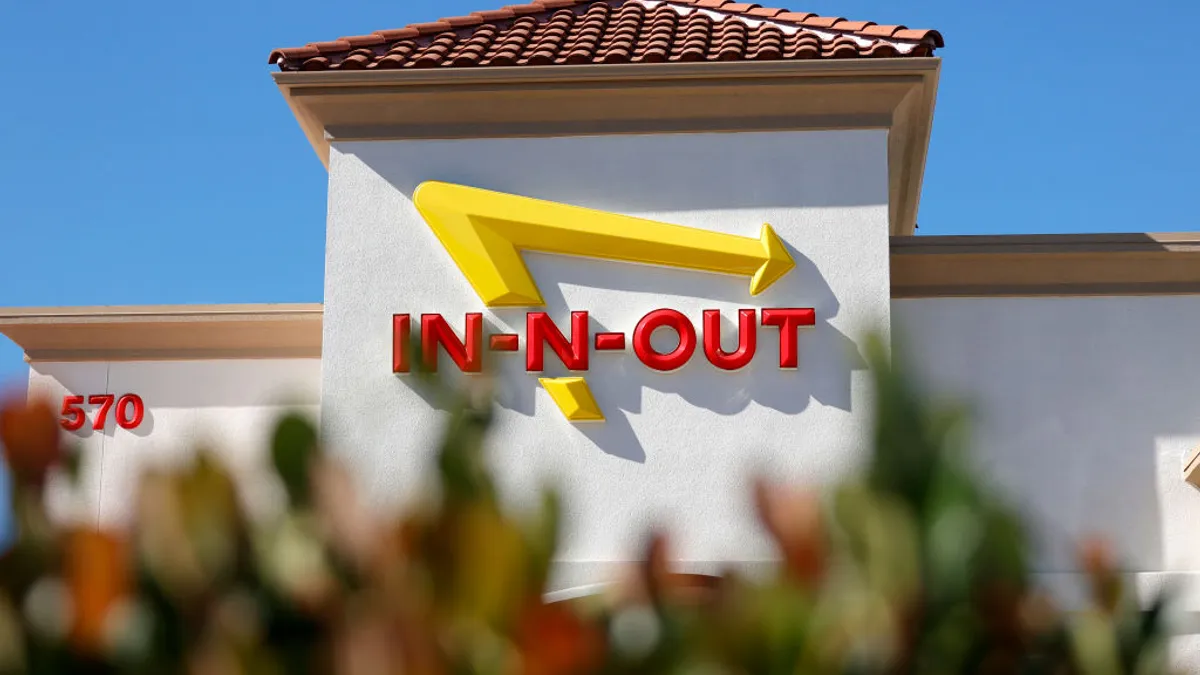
[293, 448]
[541, 537]
[461, 462]
[12, 639]
[72, 463]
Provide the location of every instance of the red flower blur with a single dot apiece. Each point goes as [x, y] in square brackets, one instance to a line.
[29, 433]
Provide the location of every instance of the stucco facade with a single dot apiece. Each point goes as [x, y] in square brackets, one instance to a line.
[663, 451]
[229, 406]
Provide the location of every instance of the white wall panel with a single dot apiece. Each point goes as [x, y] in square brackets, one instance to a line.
[677, 448]
[1085, 410]
[230, 406]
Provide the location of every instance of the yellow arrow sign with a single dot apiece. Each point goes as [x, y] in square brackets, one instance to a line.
[485, 232]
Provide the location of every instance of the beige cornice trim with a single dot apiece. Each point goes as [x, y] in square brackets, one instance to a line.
[537, 101]
[165, 332]
[1046, 265]
[1191, 467]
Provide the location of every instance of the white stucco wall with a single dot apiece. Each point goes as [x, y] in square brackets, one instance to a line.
[229, 406]
[1084, 411]
[677, 448]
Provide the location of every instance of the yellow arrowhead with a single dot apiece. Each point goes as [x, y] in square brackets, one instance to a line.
[574, 398]
[778, 263]
[485, 233]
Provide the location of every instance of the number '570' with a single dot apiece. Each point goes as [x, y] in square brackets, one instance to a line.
[129, 411]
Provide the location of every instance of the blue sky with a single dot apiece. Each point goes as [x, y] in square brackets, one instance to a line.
[150, 158]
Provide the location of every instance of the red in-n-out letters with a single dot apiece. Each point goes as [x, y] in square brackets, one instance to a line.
[541, 333]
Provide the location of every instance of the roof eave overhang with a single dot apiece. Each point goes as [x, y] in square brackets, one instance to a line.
[896, 94]
[164, 332]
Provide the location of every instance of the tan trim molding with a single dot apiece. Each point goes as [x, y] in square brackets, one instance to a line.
[1191, 467]
[1032, 265]
[151, 333]
[528, 101]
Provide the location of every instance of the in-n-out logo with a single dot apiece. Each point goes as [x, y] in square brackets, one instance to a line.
[542, 334]
[485, 233]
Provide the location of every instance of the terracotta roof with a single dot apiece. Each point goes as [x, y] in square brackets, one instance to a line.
[550, 32]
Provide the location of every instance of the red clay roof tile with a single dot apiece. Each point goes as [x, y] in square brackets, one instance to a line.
[365, 40]
[923, 34]
[464, 21]
[397, 33]
[815, 21]
[553, 32]
[854, 26]
[876, 30]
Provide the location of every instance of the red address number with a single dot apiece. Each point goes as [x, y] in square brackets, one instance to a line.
[130, 411]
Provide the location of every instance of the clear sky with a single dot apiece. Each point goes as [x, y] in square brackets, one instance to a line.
[149, 158]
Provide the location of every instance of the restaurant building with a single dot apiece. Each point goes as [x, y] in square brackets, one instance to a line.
[665, 228]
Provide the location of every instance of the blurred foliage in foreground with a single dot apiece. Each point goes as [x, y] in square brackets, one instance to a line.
[914, 567]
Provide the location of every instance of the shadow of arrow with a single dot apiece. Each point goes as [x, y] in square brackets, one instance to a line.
[620, 382]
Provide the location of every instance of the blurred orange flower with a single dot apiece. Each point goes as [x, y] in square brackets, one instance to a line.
[97, 575]
[554, 640]
[29, 433]
[793, 518]
[1098, 562]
